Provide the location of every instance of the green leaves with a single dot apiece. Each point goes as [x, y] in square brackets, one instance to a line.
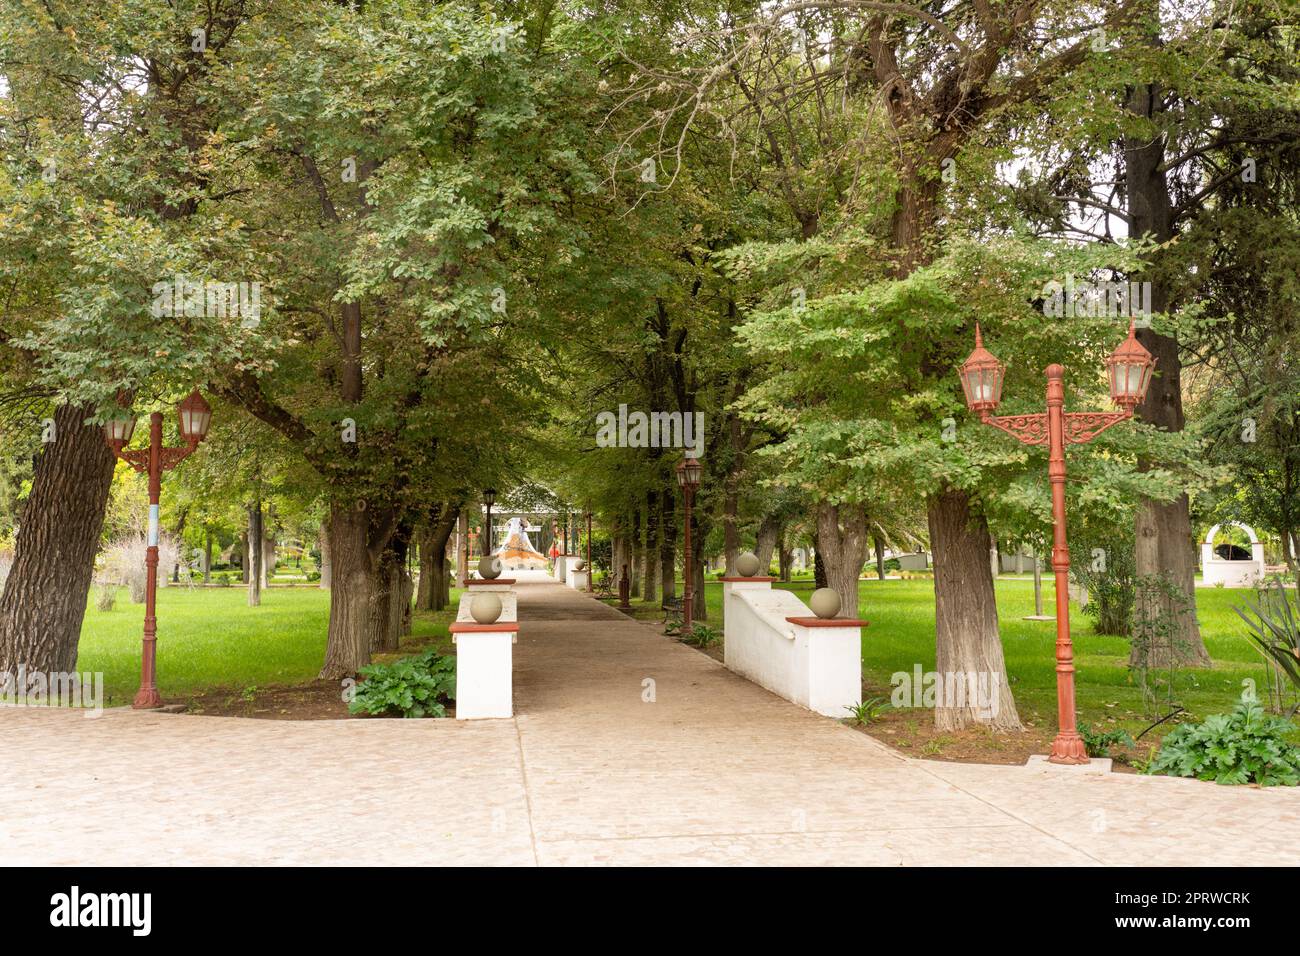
[410, 687]
[1246, 746]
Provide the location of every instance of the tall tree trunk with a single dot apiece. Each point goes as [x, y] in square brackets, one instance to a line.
[437, 545]
[699, 531]
[967, 642]
[879, 544]
[769, 532]
[785, 559]
[207, 556]
[462, 549]
[731, 501]
[1163, 531]
[819, 565]
[636, 556]
[390, 595]
[44, 599]
[667, 547]
[256, 555]
[842, 534]
[425, 594]
[650, 585]
[347, 644]
[268, 554]
[326, 568]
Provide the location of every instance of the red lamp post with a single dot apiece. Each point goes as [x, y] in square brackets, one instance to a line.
[195, 416]
[589, 568]
[688, 476]
[1129, 367]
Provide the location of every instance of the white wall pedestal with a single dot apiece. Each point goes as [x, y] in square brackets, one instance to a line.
[484, 670]
[558, 572]
[774, 639]
[578, 580]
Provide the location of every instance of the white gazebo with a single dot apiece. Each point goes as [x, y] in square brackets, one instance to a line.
[1232, 572]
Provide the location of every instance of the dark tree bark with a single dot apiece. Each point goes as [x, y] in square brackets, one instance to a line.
[326, 569]
[650, 584]
[1163, 542]
[44, 599]
[699, 531]
[347, 645]
[256, 555]
[667, 547]
[842, 533]
[879, 545]
[819, 566]
[968, 642]
[636, 556]
[769, 533]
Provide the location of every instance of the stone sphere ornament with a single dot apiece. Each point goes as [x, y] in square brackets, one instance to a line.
[825, 602]
[747, 564]
[485, 608]
[489, 567]
[579, 565]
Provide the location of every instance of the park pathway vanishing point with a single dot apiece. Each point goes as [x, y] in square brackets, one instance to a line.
[714, 770]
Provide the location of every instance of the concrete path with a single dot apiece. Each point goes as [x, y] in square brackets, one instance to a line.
[628, 748]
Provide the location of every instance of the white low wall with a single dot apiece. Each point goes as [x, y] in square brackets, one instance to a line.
[484, 674]
[817, 666]
[558, 572]
[577, 580]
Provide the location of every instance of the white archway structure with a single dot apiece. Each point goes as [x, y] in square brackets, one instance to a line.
[1243, 573]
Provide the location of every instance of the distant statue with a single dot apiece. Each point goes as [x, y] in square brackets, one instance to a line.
[518, 551]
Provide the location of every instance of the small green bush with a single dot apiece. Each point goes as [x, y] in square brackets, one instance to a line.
[702, 635]
[1246, 746]
[410, 687]
[1098, 743]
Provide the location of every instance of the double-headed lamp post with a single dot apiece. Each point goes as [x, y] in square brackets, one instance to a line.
[195, 416]
[688, 476]
[489, 498]
[1130, 367]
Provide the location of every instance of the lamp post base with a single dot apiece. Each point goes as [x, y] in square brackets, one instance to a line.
[1068, 748]
[148, 698]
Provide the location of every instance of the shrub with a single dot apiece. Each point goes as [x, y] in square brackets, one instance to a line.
[1246, 746]
[702, 635]
[106, 597]
[313, 575]
[415, 686]
[1098, 743]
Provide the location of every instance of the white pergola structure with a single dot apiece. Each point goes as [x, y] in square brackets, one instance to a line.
[1228, 572]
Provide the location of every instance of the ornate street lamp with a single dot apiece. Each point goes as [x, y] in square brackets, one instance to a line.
[1130, 367]
[489, 497]
[195, 416]
[688, 476]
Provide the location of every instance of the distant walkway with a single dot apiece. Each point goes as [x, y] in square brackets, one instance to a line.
[713, 770]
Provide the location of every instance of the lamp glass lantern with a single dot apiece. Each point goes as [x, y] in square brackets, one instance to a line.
[119, 430]
[1129, 367]
[688, 472]
[195, 416]
[981, 377]
[489, 496]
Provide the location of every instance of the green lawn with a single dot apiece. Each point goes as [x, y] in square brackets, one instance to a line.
[210, 637]
[901, 635]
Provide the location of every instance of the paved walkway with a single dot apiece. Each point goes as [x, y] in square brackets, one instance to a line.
[714, 770]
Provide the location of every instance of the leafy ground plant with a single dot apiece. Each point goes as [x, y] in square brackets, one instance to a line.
[1245, 746]
[415, 686]
[1098, 743]
[701, 635]
[867, 711]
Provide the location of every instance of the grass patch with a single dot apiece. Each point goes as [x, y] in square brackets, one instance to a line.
[210, 638]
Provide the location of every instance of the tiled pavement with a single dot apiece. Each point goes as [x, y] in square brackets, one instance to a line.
[712, 769]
